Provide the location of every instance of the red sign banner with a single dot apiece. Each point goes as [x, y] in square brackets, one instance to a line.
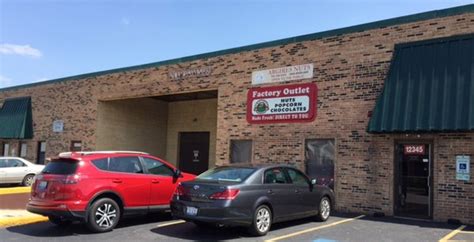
[282, 104]
[414, 149]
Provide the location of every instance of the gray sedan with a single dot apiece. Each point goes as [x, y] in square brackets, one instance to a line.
[251, 196]
[18, 170]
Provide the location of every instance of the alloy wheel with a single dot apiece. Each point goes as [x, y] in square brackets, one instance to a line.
[325, 208]
[263, 220]
[106, 215]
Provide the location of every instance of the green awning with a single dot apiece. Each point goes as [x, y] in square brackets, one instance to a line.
[429, 88]
[15, 119]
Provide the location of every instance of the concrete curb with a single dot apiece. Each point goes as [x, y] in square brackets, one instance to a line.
[14, 190]
[16, 221]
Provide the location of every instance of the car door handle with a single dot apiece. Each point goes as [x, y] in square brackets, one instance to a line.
[270, 191]
[155, 181]
[117, 181]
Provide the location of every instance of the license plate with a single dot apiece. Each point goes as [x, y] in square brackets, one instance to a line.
[42, 185]
[191, 211]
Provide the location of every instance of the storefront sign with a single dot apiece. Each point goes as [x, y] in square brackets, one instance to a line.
[288, 73]
[462, 168]
[58, 126]
[197, 72]
[282, 104]
[414, 149]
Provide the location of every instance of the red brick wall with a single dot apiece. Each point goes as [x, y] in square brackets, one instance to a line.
[349, 71]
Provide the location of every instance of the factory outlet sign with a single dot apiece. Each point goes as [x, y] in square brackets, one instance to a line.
[287, 73]
[282, 104]
[197, 72]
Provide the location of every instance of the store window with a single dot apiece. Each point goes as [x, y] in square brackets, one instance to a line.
[240, 151]
[41, 152]
[6, 149]
[23, 149]
[76, 145]
[319, 160]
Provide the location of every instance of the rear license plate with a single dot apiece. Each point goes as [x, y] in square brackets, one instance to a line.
[191, 211]
[42, 185]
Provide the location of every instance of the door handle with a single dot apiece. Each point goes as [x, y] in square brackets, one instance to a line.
[155, 181]
[270, 191]
[117, 181]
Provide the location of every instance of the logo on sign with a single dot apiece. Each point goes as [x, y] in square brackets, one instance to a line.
[261, 107]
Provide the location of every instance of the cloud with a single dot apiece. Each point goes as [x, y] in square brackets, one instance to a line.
[5, 81]
[24, 50]
[125, 21]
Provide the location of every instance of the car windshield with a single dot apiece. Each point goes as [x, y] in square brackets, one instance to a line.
[228, 174]
[61, 167]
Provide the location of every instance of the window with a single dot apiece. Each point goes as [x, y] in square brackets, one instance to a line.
[157, 168]
[3, 163]
[240, 151]
[61, 167]
[275, 175]
[41, 152]
[319, 159]
[76, 145]
[227, 174]
[102, 164]
[14, 163]
[297, 177]
[129, 164]
[23, 149]
[6, 149]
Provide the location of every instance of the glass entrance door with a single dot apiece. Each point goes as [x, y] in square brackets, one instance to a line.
[413, 184]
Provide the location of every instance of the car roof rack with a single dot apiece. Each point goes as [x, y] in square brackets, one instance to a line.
[69, 154]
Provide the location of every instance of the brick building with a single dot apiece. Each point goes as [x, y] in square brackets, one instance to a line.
[387, 120]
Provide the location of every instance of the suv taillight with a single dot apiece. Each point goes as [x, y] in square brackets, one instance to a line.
[179, 191]
[71, 179]
[229, 194]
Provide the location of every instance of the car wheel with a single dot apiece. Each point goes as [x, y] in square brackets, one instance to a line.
[59, 221]
[28, 180]
[262, 221]
[103, 215]
[324, 209]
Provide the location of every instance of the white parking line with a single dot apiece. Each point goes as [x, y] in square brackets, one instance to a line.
[314, 229]
[171, 223]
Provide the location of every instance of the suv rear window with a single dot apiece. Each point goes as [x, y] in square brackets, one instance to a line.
[61, 167]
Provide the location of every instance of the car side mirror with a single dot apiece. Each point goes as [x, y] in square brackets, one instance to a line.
[313, 181]
[177, 173]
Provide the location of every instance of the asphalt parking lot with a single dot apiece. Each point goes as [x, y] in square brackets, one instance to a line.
[161, 227]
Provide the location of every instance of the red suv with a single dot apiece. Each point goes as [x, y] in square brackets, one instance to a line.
[99, 188]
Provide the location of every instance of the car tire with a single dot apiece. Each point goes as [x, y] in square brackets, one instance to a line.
[59, 221]
[324, 209]
[262, 221]
[103, 215]
[28, 180]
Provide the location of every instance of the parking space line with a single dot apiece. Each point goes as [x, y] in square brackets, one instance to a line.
[314, 229]
[171, 223]
[466, 232]
[452, 234]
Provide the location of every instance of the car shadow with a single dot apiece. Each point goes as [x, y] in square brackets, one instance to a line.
[47, 229]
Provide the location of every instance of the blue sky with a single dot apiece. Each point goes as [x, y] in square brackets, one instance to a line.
[44, 40]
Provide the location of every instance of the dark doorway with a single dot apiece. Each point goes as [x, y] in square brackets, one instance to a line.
[319, 160]
[193, 154]
[41, 156]
[413, 180]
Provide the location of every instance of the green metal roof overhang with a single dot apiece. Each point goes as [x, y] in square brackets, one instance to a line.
[16, 119]
[429, 88]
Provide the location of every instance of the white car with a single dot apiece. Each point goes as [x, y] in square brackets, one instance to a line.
[18, 170]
